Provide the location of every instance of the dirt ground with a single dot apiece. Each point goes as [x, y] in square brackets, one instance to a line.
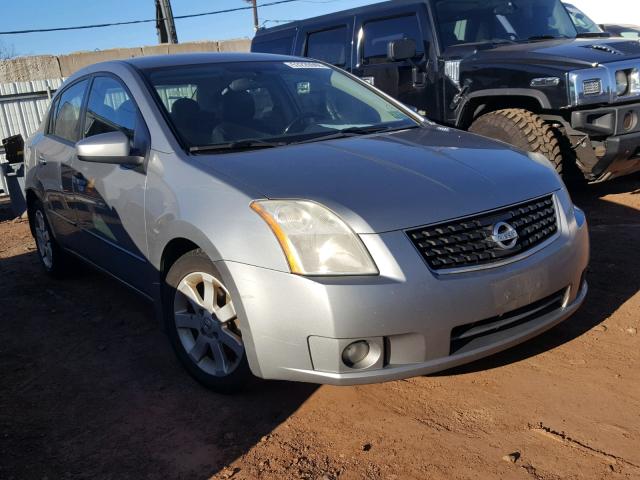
[89, 388]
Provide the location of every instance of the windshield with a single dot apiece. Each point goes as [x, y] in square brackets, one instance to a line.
[582, 23]
[498, 21]
[264, 102]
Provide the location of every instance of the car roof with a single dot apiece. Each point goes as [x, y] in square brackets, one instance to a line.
[159, 61]
[374, 7]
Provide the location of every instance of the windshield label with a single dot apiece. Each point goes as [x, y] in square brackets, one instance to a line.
[305, 65]
[303, 88]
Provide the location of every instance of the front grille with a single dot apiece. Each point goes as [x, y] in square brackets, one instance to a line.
[478, 334]
[471, 241]
[592, 87]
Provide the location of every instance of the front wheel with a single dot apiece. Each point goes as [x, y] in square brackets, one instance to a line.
[522, 129]
[202, 324]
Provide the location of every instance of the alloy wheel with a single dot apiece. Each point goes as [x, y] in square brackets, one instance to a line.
[43, 240]
[207, 325]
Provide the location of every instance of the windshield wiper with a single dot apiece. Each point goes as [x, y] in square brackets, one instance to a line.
[594, 35]
[353, 132]
[545, 37]
[491, 42]
[500, 41]
[236, 146]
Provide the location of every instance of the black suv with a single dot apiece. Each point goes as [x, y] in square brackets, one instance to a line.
[514, 70]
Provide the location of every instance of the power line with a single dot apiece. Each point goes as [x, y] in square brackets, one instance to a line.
[133, 22]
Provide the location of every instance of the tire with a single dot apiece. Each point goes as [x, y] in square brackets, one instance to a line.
[202, 326]
[522, 129]
[55, 261]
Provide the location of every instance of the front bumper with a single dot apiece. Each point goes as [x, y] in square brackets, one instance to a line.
[295, 327]
[616, 144]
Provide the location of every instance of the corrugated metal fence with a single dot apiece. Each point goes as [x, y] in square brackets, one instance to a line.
[23, 105]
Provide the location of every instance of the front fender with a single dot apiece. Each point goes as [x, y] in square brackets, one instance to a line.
[199, 206]
[472, 99]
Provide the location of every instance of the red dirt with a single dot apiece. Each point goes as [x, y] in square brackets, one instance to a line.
[90, 389]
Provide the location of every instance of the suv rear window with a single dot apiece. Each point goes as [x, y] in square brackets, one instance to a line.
[378, 34]
[278, 46]
[329, 46]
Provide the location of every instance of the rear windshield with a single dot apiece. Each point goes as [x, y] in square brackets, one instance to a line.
[218, 103]
[268, 44]
[501, 21]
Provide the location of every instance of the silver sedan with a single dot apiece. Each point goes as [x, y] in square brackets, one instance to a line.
[291, 222]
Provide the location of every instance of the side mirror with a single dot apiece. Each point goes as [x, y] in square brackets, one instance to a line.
[111, 147]
[404, 49]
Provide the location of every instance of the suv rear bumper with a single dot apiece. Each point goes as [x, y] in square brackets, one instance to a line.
[616, 143]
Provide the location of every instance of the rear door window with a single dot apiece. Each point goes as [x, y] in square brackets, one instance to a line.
[67, 118]
[378, 34]
[52, 117]
[329, 46]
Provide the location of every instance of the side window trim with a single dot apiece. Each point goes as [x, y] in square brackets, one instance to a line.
[83, 110]
[52, 121]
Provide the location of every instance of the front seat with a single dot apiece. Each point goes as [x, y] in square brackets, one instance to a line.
[238, 123]
[187, 117]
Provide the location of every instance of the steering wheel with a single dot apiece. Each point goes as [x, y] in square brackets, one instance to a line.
[298, 120]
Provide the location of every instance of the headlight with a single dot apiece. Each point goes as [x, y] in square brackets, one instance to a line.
[622, 83]
[314, 239]
[634, 82]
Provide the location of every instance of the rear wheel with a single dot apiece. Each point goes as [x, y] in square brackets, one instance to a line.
[53, 258]
[202, 324]
[522, 129]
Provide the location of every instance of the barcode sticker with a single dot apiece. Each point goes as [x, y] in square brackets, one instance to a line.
[305, 65]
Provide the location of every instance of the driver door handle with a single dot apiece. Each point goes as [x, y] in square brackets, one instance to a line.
[42, 160]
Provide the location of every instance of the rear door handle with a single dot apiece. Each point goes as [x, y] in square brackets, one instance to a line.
[42, 160]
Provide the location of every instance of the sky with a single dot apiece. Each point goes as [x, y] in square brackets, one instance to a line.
[30, 14]
[27, 14]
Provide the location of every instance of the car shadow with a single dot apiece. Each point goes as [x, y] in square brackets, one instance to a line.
[612, 274]
[5, 209]
[91, 388]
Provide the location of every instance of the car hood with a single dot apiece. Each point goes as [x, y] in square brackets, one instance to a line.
[564, 54]
[386, 182]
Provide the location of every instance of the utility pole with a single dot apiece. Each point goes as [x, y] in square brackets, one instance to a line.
[256, 23]
[165, 24]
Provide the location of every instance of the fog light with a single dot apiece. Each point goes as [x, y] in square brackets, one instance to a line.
[629, 121]
[355, 353]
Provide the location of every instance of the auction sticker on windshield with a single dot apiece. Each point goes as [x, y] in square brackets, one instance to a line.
[305, 65]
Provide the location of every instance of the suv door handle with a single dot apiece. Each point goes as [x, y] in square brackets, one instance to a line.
[42, 160]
